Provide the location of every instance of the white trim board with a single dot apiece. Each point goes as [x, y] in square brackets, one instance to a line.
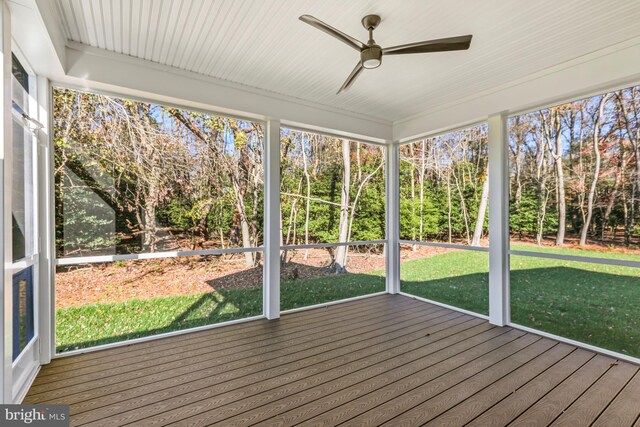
[333, 245]
[599, 71]
[441, 304]
[440, 132]
[98, 69]
[151, 255]
[577, 258]
[445, 245]
[155, 337]
[327, 304]
[575, 343]
[180, 106]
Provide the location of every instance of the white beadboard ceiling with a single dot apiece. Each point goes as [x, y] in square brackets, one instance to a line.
[262, 44]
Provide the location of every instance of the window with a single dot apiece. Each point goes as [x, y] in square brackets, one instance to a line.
[332, 194]
[444, 194]
[22, 208]
[159, 218]
[134, 177]
[575, 177]
[23, 326]
[444, 190]
[23, 152]
[574, 220]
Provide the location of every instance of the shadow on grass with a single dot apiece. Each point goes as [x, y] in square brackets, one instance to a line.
[588, 306]
[98, 324]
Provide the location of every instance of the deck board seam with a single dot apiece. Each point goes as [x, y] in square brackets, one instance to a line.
[573, 401]
[555, 344]
[413, 373]
[314, 355]
[258, 332]
[529, 382]
[210, 355]
[301, 332]
[459, 382]
[579, 396]
[355, 371]
[610, 402]
[369, 360]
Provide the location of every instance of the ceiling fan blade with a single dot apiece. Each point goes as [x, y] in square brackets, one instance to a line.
[345, 38]
[439, 45]
[352, 77]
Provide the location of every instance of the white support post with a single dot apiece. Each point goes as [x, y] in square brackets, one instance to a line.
[6, 343]
[46, 231]
[499, 301]
[271, 283]
[393, 217]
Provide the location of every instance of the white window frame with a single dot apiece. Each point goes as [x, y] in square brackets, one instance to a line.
[92, 259]
[443, 244]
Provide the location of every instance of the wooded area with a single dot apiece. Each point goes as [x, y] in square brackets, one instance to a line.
[332, 190]
[576, 172]
[575, 177]
[444, 188]
[135, 177]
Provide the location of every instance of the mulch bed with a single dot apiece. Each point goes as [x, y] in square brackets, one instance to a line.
[139, 279]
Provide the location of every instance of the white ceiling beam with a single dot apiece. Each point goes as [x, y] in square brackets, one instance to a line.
[607, 69]
[40, 35]
[98, 69]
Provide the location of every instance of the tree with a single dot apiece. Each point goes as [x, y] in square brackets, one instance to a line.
[482, 212]
[341, 251]
[596, 170]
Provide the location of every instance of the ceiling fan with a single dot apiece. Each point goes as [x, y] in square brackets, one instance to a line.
[371, 53]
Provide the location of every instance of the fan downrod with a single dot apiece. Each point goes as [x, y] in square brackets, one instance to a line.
[370, 22]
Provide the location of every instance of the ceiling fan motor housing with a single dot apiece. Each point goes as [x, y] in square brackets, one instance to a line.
[371, 56]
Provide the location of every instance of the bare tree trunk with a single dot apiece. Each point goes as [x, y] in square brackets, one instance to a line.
[628, 215]
[542, 211]
[357, 197]
[463, 207]
[244, 223]
[552, 135]
[543, 196]
[482, 212]
[308, 206]
[562, 202]
[582, 176]
[449, 205]
[293, 215]
[150, 226]
[421, 182]
[413, 195]
[621, 166]
[596, 171]
[634, 138]
[627, 229]
[343, 228]
[246, 241]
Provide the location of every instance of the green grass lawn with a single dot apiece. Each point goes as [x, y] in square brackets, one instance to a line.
[97, 324]
[592, 303]
[595, 304]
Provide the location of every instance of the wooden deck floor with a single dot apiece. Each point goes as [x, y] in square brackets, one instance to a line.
[385, 360]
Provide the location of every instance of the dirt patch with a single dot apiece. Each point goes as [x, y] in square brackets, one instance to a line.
[140, 279]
